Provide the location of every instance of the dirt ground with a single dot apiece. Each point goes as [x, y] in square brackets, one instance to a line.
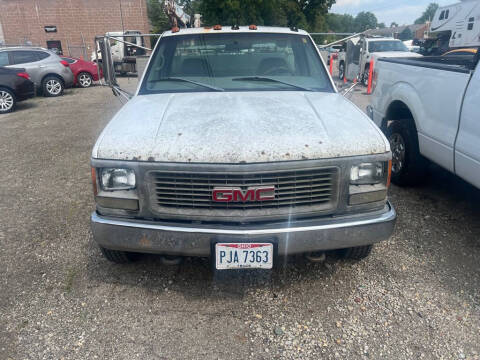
[416, 296]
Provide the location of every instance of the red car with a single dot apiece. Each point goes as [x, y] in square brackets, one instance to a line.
[84, 72]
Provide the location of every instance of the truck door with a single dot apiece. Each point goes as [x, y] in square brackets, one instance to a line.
[467, 146]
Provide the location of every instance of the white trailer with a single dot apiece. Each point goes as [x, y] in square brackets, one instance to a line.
[462, 20]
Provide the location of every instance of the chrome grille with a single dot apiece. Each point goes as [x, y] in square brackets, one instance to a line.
[306, 188]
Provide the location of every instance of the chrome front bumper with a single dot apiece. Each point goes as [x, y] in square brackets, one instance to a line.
[292, 238]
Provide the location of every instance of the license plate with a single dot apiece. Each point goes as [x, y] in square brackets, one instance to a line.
[243, 256]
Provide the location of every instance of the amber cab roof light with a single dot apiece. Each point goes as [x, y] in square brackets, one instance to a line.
[217, 27]
[252, 27]
[175, 29]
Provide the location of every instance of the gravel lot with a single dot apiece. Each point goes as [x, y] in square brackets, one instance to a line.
[416, 296]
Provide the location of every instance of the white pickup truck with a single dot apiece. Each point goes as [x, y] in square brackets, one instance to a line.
[237, 146]
[360, 51]
[429, 108]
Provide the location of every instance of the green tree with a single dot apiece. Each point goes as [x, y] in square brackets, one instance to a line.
[406, 34]
[340, 23]
[428, 14]
[307, 14]
[381, 25]
[158, 20]
[365, 20]
[393, 24]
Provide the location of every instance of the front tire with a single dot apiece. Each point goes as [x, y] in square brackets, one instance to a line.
[365, 76]
[357, 253]
[8, 101]
[118, 257]
[52, 86]
[84, 80]
[409, 167]
[341, 71]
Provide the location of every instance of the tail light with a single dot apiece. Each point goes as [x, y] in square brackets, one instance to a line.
[374, 79]
[24, 75]
[64, 63]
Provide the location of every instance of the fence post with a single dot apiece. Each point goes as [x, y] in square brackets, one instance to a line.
[370, 74]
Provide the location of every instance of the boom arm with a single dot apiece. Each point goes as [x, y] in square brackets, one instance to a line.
[175, 13]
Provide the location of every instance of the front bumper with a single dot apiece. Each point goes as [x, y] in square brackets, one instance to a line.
[292, 237]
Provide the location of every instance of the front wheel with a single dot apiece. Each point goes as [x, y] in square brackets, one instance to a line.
[52, 86]
[341, 71]
[118, 257]
[7, 101]
[365, 77]
[84, 80]
[357, 253]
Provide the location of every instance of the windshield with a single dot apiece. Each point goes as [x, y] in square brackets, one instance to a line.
[387, 45]
[235, 62]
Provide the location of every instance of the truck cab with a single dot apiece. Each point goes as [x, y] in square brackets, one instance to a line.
[233, 147]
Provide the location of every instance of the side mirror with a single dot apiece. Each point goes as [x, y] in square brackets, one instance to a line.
[106, 61]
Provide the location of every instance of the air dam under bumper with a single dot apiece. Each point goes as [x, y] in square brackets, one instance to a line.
[195, 240]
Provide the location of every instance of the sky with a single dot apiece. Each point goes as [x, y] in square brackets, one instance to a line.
[402, 12]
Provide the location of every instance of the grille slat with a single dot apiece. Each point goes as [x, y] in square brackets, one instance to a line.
[220, 183]
[314, 188]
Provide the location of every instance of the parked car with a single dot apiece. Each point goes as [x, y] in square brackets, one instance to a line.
[15, 86]
[47, 70]
[429, 109]
[84, 72]
[239, 155]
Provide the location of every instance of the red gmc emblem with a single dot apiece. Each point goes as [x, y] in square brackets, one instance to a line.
[236, 194]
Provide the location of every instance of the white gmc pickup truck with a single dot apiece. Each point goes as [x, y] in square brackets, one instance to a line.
[237, 146]
[429, 108]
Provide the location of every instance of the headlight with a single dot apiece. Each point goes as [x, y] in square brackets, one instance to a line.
[368, 173]
[117, 179]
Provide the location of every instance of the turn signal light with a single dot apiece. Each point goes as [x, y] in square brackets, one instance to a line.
[24, 75]
[94, 181]
[389, 173]
[252, 27]
[64, 63]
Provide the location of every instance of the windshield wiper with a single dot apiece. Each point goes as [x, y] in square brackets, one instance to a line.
[179, 79]
[265, 78]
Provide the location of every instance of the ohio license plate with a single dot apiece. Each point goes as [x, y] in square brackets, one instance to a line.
[243, 256]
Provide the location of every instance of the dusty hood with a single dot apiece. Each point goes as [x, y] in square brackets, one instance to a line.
[238, 127]
[392, 54]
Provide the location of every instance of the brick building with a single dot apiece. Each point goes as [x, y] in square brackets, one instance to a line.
[68, 24]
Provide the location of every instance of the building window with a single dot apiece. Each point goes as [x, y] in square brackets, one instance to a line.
[55, 46]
